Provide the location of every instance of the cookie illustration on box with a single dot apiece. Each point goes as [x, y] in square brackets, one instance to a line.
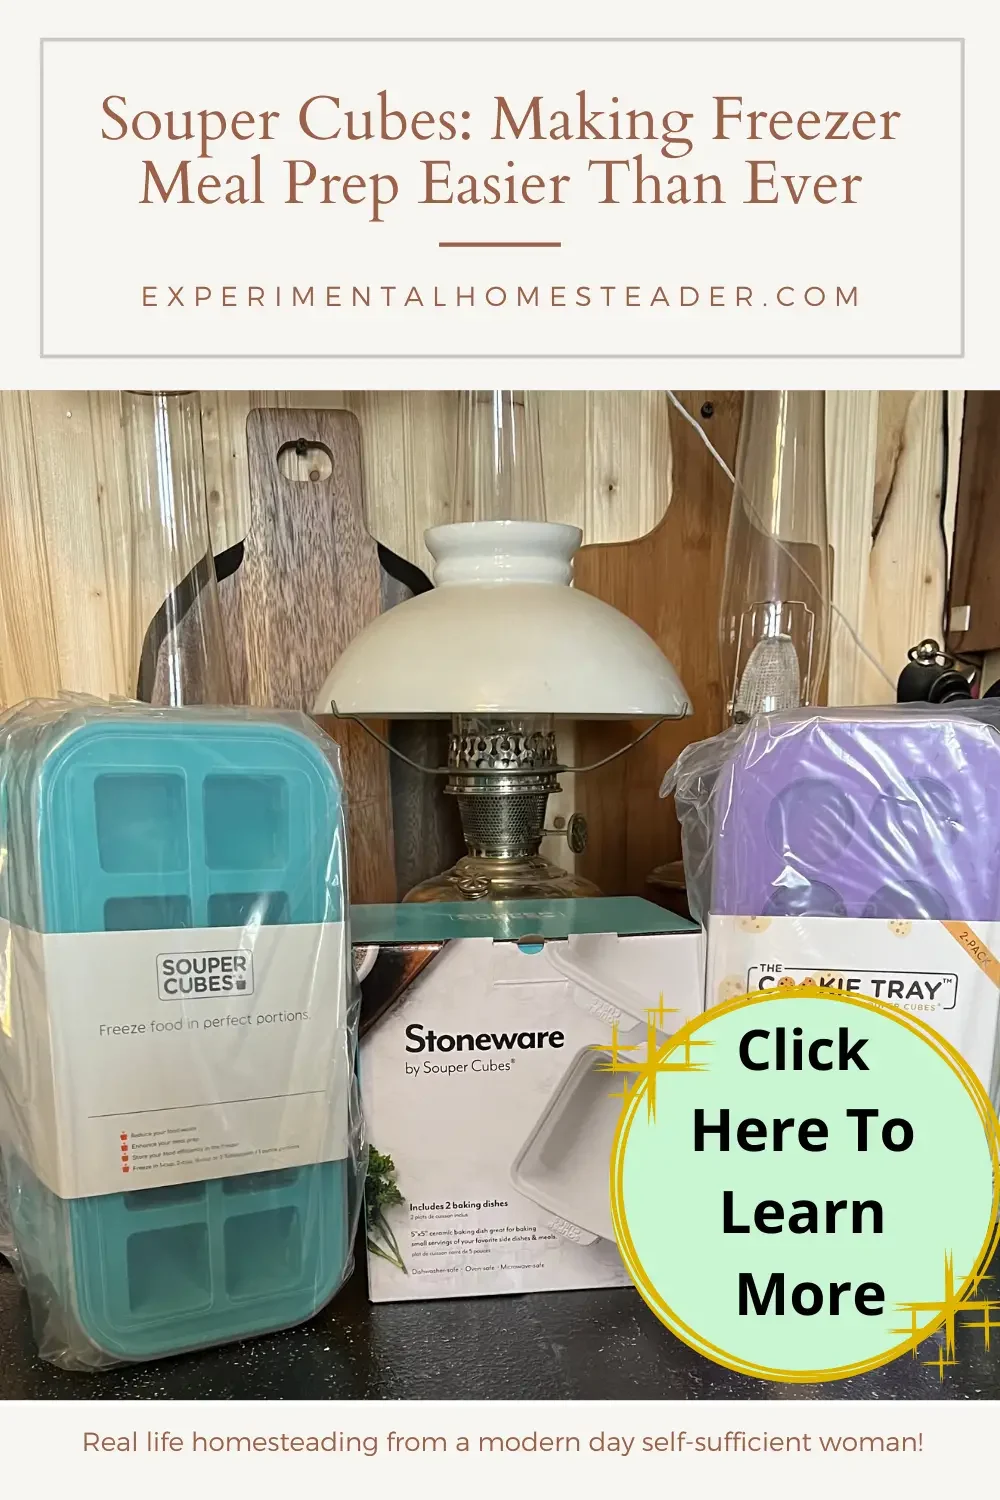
[900, 927]
[753, 924]
[729, 988]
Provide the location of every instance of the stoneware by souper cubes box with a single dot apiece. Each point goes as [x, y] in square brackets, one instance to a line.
[484, 1030]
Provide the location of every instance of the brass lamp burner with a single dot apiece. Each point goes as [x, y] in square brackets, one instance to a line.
[502, 774]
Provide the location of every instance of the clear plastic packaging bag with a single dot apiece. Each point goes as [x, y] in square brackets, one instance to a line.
[896, 796]
[183, 1145]
[160, 542]
[857, 848]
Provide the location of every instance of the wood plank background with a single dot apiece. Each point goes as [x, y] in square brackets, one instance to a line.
[631, 830]
[79, 580]
[975, 582]
[71, 595]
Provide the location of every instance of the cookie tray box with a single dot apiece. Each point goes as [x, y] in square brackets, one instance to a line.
[857, 849]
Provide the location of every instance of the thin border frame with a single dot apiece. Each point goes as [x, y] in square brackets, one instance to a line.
[603, 41]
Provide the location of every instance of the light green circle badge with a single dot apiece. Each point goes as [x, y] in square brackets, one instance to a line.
[805, 1188]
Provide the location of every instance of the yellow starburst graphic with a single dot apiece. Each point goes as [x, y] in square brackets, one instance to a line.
[656, 1057]
[964, 1302]
[948, 1309]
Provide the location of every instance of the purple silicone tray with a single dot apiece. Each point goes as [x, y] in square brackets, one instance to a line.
[891, 814]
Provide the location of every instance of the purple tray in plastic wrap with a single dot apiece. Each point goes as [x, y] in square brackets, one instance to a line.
[891, 814]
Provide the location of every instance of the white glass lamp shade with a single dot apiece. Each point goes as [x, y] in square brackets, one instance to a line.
[503, 633]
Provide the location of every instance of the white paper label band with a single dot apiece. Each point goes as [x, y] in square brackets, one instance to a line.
[145, 1059]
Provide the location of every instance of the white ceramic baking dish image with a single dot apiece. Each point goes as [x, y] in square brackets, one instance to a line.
[591, 964]
[565, 1164]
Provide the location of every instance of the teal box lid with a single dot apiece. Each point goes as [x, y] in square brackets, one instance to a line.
[439, 922]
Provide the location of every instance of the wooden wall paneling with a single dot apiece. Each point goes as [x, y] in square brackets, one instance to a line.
[227, 475]
[605, 458]
[371, 869]
[670, 583]
[29, 652]
[956, 438]
[610, 449]
[387, 443]
[568, 466]
[565, 419]
[75, 584]
[907, 560]
[95, 561]
[426, 828]
[430, 425]
[976, 573]
[115, 535]
[851, 436]
[66, 439]
[149, 545]
[408, 456]
[629, 459]
[884, 450]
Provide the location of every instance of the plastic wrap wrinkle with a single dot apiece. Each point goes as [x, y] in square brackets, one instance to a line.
[883, 753]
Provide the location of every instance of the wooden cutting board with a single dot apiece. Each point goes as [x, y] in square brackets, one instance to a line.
[309, 582]
[670, 583]
[426, 827]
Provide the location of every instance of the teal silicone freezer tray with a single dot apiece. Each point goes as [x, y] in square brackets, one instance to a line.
[169, 821]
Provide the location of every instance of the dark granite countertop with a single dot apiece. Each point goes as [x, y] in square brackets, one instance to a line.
[602, 1345]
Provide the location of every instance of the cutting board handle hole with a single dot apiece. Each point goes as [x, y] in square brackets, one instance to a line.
[305, 462]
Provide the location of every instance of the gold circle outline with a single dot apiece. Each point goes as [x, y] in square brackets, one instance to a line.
[658, 1304]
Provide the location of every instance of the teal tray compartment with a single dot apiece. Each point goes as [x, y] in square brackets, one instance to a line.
[190, 823]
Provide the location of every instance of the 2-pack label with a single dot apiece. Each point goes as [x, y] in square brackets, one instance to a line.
[923, 967]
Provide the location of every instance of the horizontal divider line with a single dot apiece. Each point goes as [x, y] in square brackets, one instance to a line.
[499, 244]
